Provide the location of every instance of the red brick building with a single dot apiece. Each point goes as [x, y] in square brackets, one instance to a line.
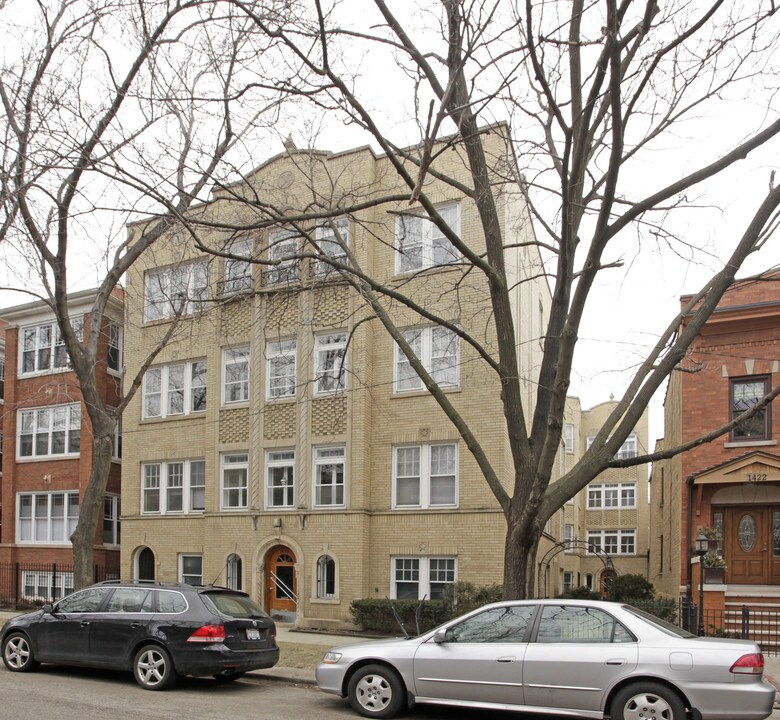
[48, 449]
[729, 487]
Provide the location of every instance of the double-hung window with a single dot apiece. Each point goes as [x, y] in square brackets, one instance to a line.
[612, 542]
[613, 495]
[282, 258]
[173, 487]
[280, 369]
[191, 569]
[332, 242]
[280, 479]
[425, 476]
[48, 431]
[415, 578]
[329, 467]
[43, 347]
[179, 290]
[111, 512]
[174, 389]
[568, 437]
[238, 269]
[438, 349]
[420, 243]
[235, 481]
[46, 517]
[235, 374]
[746, 394]
[330, 356]
[114, 352]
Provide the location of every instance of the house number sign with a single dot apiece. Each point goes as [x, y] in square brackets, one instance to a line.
[756, 477]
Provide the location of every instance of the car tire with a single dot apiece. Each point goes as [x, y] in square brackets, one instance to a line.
[227, 676]
[153, 668]
[647, 700]
[18, 654]
[376, 691]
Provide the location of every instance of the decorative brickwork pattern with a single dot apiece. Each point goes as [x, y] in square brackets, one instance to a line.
[329, 416]
[279, 421]
[234, 425]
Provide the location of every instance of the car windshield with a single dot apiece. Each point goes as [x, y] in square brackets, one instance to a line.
[234, 605]
[662, 625]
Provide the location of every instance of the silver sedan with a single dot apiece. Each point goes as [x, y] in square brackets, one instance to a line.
[559, 657]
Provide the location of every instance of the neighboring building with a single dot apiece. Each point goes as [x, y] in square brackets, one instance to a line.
[48, 449]
[604, 527]
[280, 443]
[730, 485]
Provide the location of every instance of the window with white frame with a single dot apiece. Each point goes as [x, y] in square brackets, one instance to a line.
[421, 244]
[50, 431]
[43, 347]
[438, 349]
[425, 476]
[568, 537]
[613, 495]
[627, 450]
[568, 580]
[332, 242]
[111, 525]
[170, 390]
[415, 578]
[235, 375]
[326, 577]
[116, 445]
[280, 479]
[238, 269]
[568, 437]
[41, 586]
[46, 517]
[235, 481]
[329, 470]
[179, 290]
[114, 358]
[282, 252]
[330, 359]
[173, 487]
[191, 569]
[612, 542]
[280, 369]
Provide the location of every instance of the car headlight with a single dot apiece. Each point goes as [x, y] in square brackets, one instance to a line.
[331, 657]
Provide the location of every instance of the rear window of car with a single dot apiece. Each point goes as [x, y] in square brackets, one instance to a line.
[662, 625]
[237, 606]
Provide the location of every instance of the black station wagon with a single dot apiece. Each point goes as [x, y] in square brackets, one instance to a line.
[159, 631]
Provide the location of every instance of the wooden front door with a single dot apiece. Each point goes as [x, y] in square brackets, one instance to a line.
[749, 546]
[280, 586]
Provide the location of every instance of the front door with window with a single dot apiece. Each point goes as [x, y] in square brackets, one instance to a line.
[280, 584]
[752, 545]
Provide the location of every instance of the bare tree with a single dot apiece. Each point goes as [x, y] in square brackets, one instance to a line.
[112, 109]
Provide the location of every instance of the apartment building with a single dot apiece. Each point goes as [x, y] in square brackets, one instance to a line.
[281, 443]
[48, 448]
[730, 487]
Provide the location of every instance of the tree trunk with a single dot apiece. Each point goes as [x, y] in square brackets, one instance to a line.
[520, 559]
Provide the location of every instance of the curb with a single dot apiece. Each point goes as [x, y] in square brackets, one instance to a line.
[293, 676]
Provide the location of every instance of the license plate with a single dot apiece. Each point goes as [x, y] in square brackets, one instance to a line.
[252, 634]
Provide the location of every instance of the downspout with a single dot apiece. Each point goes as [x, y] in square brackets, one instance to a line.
[689, 531]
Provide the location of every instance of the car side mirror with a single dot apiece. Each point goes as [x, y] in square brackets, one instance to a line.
[48, 608]
[440, 636]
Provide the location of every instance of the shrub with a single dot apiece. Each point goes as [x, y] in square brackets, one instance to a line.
[631, 588]
[462, 597]
[663, 608]
[581, 593]
[376, 615]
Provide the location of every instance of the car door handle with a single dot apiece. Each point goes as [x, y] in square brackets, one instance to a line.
[84, 623]
[506, 659]
[616, 661]
[136, 625]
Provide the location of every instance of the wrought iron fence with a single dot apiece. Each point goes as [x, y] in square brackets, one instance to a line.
[24, 585]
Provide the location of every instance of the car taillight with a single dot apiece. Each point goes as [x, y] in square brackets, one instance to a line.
[752, 664]
[208, 633]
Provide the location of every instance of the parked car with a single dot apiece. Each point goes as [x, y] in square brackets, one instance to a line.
[571, 657]
[159, 631]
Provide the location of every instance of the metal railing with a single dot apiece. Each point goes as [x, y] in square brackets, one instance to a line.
[25, 585]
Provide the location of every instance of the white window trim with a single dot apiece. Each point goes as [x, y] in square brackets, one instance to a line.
[618, 487]
[236, 356]
[424, 568]
[620, 534]
[282, 462]
[115, 328]
[289, 268]
[568, 437]
[320, 594]
[317, 461]
[320, 351]
[425, 475]
[181, 565]
[237, 465]
[281, 349]
[114, 518]
[237, 274]
[68, 521]
[43, 578]
[196, 297]
[187, 487]
[429, 230]
[77, 322]
[49, 409]
[325, 232]
[164, 389]
[426, 358]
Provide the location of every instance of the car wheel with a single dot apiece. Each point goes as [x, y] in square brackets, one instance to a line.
[376, 691]
[227, 676]
[17, 653]
[647, 701]
[153, 668]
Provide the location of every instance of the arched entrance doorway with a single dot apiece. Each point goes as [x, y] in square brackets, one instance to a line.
[281, 592]
[606, 581]
[144, 564]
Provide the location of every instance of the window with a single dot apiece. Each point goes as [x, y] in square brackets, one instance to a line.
[417, 578]
[438, 350]
[612, 542]
[235, 481]
[173, 487]
[170, 390]
[627, 449]
[571, 624]
[568, 537]
[116, 445]
[616, 495]
[46, 517]
[114, 356]
[46, 586]
[282, 251]
[332, 241]
[745, 394]
[496, 625]
[43, 347]
[280, 364]
[280, 479]
[131, 600]
[568, 437]
[111, 512]
[330, 354]
[235, 373]
[238, 272]
[180, 290]
[2, 379]
[234, 572]
[326, 577]
[53, 430]
[568, 580]
[421, 244]
[190, 570]
[329, 465]
[425, 476]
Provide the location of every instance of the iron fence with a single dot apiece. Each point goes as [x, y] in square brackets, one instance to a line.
[25, 585]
